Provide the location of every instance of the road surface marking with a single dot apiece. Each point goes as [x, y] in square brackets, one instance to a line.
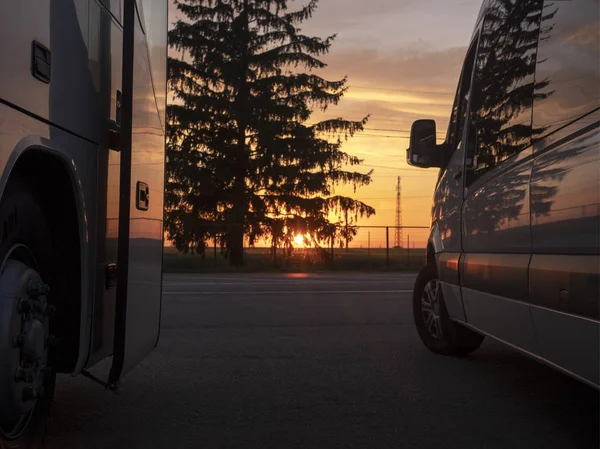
[296, 292]
[191, 284]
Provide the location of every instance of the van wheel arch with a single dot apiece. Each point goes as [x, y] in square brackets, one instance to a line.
[430, 254]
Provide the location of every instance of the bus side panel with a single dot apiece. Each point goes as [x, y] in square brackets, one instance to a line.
[69, 98]
[19, 27]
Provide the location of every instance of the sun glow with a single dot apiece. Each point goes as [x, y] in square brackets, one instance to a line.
[299, 240]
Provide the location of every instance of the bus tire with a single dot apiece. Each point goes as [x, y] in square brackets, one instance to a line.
[27, 379]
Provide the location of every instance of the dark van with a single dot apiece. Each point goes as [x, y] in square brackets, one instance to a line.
[514, 247]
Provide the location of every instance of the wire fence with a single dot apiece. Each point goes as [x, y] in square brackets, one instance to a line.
[377, 248]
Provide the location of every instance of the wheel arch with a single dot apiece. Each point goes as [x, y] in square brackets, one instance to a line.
[53, 178]
[434, 244]
[430, 254]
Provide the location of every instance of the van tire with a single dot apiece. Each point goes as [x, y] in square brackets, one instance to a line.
[24, 226]
[437, 331]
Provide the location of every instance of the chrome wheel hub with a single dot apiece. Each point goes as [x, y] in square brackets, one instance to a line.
[24, 325]
[430, 308]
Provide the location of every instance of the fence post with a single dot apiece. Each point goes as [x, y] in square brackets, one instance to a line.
[408, 253]
[387, 247]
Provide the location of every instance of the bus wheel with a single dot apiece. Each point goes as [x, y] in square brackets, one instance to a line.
[26, 376]
[437, 331]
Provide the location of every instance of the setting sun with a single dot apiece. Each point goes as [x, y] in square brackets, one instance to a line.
[299, 240]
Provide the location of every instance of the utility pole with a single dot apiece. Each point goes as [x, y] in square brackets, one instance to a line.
[398, 237]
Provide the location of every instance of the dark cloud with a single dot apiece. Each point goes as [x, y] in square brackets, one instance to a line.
[389, 24]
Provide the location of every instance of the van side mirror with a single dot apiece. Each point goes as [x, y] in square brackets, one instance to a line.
[423, 151]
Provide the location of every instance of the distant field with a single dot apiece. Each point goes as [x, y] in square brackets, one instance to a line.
[260, 259]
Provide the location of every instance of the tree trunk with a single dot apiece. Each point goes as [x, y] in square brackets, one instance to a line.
[347, 230]
[236, 233]
[274, 246]
[236, 240]
[236, 246]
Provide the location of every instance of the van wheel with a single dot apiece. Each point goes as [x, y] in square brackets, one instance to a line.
[437, 331]
[26, 262]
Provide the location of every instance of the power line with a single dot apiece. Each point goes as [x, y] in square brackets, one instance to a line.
[396, 130]
[414, 172]
[404, 120]
[441, 133]
[391, 199]
[401, 90]
[382, 136]
[379, 135]
[417, 116]
[409, 121]
[420, 176]
[387, 168]
[410, 116]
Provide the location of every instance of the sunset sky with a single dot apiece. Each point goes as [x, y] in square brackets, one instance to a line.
[403, 60]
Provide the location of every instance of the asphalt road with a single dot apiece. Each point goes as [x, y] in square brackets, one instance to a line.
[324, 361]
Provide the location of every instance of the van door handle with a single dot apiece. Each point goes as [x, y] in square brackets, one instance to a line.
[458, 175]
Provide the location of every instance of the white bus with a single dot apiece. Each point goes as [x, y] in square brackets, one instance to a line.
[82, 133]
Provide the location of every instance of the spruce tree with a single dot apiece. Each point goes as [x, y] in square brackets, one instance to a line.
[243, 156]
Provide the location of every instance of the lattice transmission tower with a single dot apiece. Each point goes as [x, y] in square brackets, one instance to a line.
[398, 236]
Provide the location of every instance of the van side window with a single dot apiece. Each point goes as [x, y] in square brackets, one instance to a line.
[567, 65]
[503, 85]
[461, 102]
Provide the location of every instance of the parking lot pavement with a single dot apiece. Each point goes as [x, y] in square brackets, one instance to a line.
[317, 361]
